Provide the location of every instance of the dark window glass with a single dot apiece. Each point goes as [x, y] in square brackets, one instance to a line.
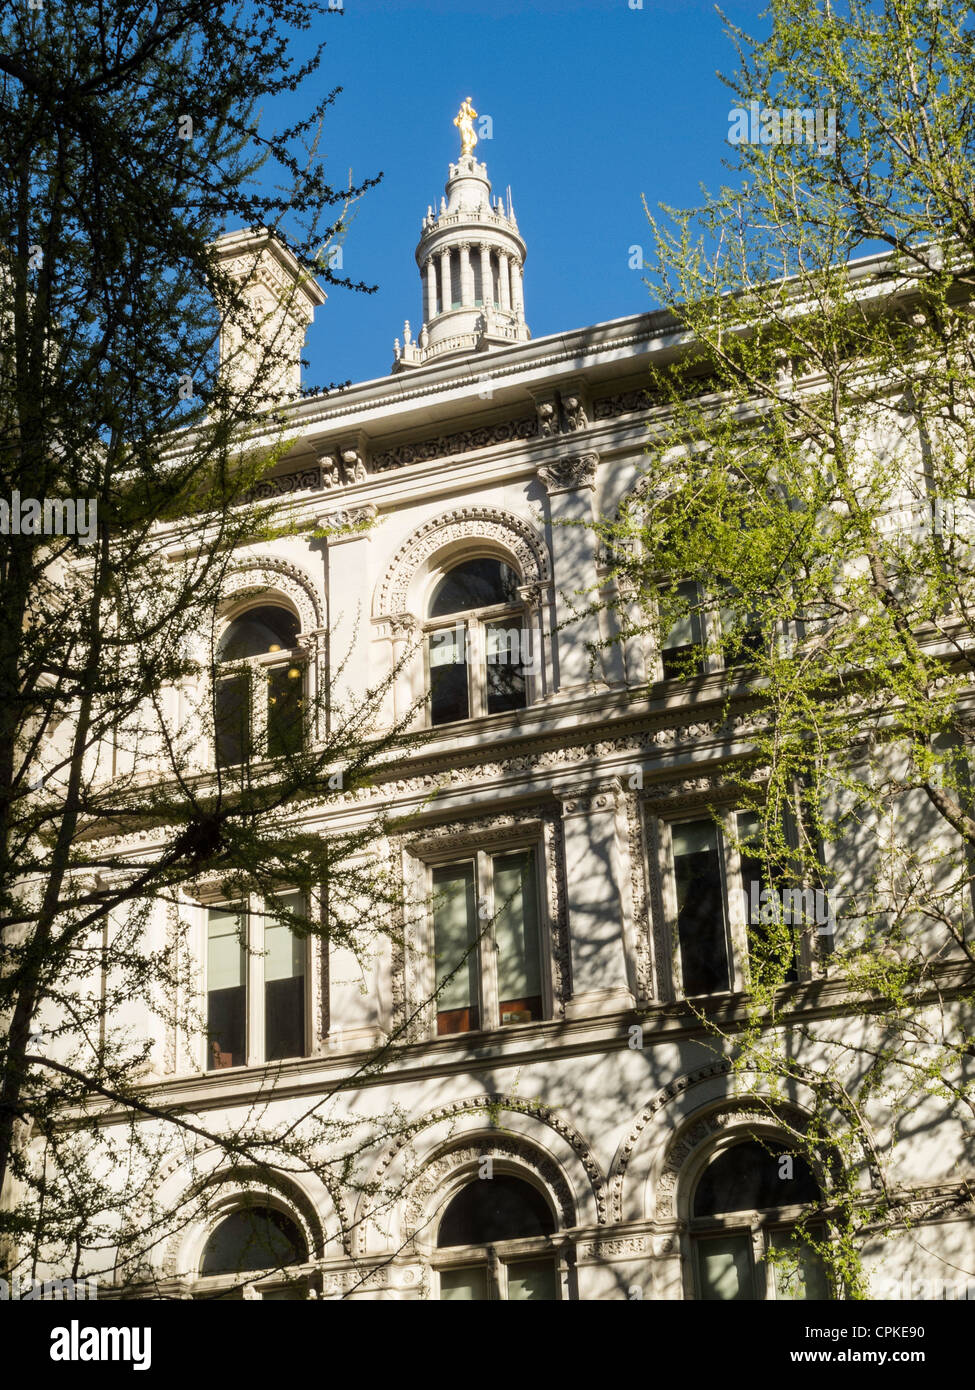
[505, 669]
[492, 1209]
[769, 941]
[226, 989]
[481, 583]
[284, 987]
[253, 1238]
[267, 628]
[232, 720]
[284, 711]
[751, 1177]
[449, 690]
[700, 908]
[681, 651]
[742, 639]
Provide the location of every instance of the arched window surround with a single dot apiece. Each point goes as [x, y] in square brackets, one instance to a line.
[260, 680]
[503, 1270]
[288, 1282]
[402, 595]
[757, 1230]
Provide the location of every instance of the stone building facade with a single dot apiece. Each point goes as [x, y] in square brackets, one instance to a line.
[564, 1063]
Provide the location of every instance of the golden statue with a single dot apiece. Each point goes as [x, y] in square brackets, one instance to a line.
[464, 121]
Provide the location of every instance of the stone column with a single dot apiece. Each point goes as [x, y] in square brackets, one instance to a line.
[503, 280]
[597, 869]
[466, 276]
[570, 484]
[404, 631]
[517, 290]
[487, 283]
[349, 586]
[445, 278]
[431, 274]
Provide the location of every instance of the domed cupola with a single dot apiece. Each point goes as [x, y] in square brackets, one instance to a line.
[470, 257]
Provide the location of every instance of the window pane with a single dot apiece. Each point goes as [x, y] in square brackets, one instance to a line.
[232, 720]
[506, 652]
[481, 583]
[741, 632]
[755, 1176]
[772, 943]
[516, 936]
[253, 1238]
[464, 1285]
[284, 710]
[267, 628]
[226, 989]
[725, 1268]
[535, 1279]
[491, 1209]
[801, 1275]
[284, 988]
[680, 649]
[700, 908]
[455, 935]
[448, 675]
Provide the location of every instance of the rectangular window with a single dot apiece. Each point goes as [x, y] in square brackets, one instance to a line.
[284, 711]
[505, 653]
[772, 936]
[701, 926]
[742, 640]
[464, 1285]
[284, 987]
[487, 942]
[798, 1272]
[449, 692]
[725, 1268]
[226, 988]
[682, 649]
[255, 985]
[232, 715]
[455, 949]
[516, 938]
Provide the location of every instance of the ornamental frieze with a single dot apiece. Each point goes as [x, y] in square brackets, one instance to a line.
[461, 442]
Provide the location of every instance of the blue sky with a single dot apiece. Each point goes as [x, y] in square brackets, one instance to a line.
[593, 104]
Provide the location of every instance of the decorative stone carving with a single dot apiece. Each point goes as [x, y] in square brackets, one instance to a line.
[461, 442]
[575, 413]
[570, 473]
[614, 1249]
[477, 523]
[347, 517]
[625, 403]
[507, 1144]
[287, 484]
[270, 572]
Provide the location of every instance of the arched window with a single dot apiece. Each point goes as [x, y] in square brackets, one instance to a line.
[743, 1226]
[259, 697]
[260, 1244]
[494, 1242]
[476, 642]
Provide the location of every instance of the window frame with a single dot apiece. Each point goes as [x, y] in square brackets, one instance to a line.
[706, 617]
[471, 626]
[498, 1258]
[257, 673]
[482, 856]
[760, 1226]
[724, 818]
[252, 908]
